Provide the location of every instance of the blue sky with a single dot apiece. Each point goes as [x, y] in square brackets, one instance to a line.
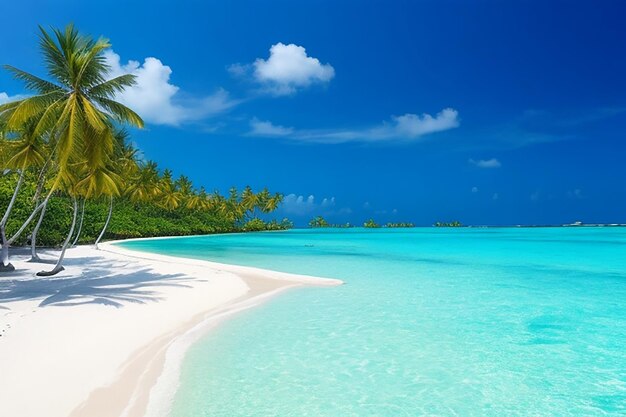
[487, 112]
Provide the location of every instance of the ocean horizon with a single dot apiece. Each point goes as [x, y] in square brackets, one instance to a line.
[431, 322]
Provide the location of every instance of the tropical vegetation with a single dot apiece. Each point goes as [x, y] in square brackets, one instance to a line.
[401, 224]
[69, 173]
[318, 221]
[371, 224]
[454, 223]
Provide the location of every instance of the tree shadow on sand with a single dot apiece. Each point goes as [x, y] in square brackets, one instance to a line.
[96, 284]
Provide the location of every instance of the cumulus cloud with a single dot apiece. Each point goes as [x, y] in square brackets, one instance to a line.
[159, 101]
[5, 98]
[299, 205]
[406, 127]
[265, 128]
[486, 163]
[287, 69]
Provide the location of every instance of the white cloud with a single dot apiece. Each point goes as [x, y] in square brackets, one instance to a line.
[287, 69]
[328, 202]
[299, 205]
[5, 98]
[474, 189]
[157, 100]
[406, 127]
[265, 128]
[486, 163]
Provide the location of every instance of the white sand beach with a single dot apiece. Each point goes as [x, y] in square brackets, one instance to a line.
[106, 336]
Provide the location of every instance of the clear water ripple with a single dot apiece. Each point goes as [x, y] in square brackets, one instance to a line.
[453, 322]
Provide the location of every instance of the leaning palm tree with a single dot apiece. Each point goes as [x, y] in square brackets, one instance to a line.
[67, 184]
[80, 223]
[75, 108]
[21, 154]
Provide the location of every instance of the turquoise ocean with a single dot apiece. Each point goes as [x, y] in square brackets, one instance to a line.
[467, 322]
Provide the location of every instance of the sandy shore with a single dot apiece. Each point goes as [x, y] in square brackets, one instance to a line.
[106, 336]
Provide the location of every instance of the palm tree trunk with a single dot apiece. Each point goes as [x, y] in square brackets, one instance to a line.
[5, 218]
[33, 237]
[5, 265]
[106, 224]
[58, 267]
[80, 224]
[30, 218]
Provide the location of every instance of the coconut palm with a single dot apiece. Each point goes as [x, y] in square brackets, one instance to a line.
[22, 153]
[144, 184]
[80, 223]
[75, 109]
[198, 201]
[124, 165]
[271, 203]
[170, 197]
[249, 199]
[69, 185]
[33, 236]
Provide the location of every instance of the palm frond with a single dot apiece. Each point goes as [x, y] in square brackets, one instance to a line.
[32, 82]
[119, 111]
[113, 86]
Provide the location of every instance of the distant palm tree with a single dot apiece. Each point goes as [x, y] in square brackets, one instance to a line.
[143, 186]
[170, 197]
[272, 203]
[198, 201]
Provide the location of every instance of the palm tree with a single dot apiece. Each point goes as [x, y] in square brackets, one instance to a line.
[198, 201]
[170, 196]
[80, 223]
[33, 236]
[144, 184]
[21, 154]
[75, 109]
[124, 166]
[249, 199]
[69, 185]
[272, 203]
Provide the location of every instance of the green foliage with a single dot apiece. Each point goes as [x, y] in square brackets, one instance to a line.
[65, 138]
[318, 221]
[129, 220]
[371, 224]
[448, 224]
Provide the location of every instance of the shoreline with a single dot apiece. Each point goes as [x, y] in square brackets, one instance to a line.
[141, 378]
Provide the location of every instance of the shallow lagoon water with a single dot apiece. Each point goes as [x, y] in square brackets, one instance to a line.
[431, 322]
